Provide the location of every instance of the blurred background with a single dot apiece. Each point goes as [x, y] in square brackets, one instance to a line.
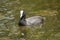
[9, 18]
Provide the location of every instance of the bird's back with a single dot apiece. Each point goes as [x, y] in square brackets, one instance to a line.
[34, 20]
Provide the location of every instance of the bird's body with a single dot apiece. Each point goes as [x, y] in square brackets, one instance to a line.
[35, 20]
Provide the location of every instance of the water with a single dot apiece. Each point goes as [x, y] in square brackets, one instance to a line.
[9, 16]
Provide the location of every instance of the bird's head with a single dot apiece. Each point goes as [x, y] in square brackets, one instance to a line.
[22, 14]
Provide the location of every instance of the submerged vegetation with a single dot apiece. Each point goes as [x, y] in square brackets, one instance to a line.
[9, 17]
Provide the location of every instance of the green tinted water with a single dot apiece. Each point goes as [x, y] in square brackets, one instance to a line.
[9, 17]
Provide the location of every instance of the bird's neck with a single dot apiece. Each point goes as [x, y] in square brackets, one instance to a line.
[23, 18]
